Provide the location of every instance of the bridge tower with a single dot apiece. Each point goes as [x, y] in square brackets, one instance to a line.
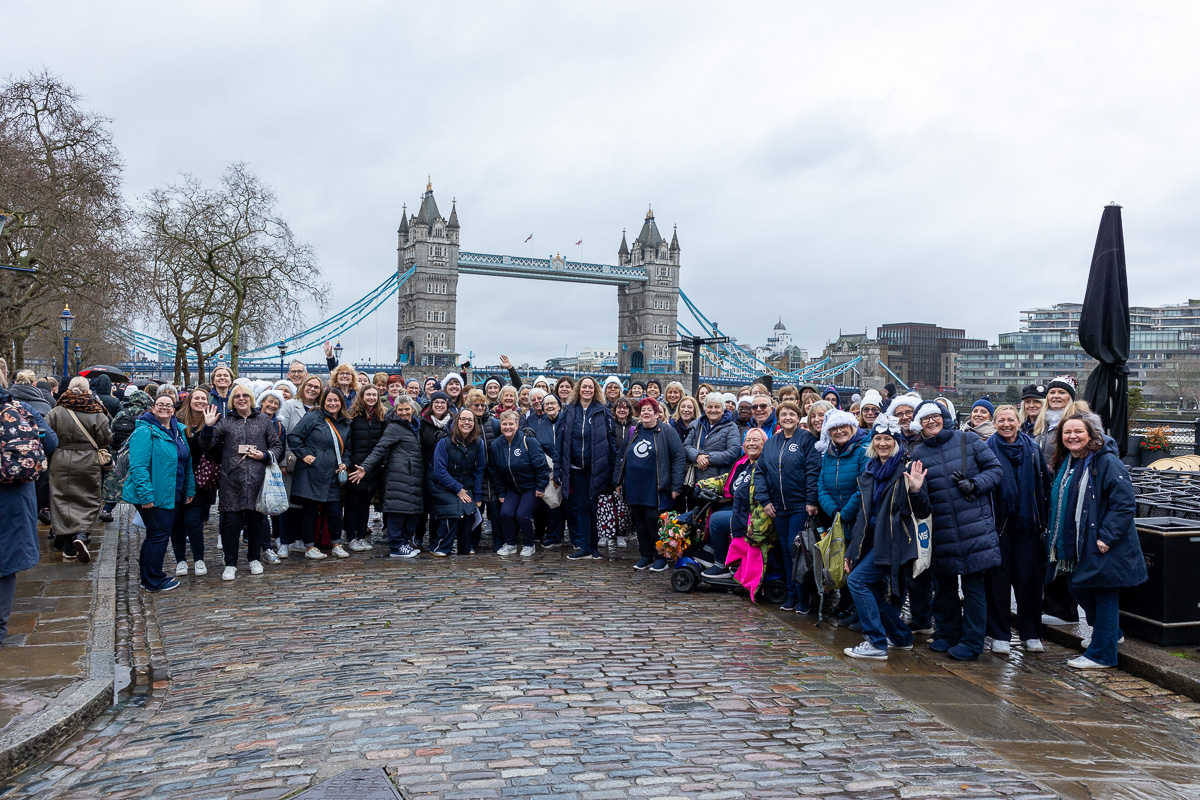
[425, 322]
[646, 312]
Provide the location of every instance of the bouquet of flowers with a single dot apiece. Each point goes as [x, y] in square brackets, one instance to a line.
[674, 536]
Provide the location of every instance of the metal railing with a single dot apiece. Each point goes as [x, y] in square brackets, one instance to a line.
[1182, 434]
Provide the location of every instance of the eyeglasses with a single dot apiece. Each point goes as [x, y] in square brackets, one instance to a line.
[478, 405]
[759, 407]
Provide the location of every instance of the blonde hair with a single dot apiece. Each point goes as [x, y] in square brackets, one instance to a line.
[1007, 407]
[25, 377]
[79, 385]
[822, 406]
[1021, 416]
[337, 372]
[697, 413]
[1073, 407]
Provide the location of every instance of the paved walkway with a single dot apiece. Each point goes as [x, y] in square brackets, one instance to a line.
[471, 677]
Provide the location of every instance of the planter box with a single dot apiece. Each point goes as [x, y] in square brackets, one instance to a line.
[1166, 608]
[1150, 456]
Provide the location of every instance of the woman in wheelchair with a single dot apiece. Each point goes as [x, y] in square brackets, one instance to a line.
[731, 521]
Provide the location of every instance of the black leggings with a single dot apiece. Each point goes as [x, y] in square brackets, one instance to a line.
[308, 520]
[645, 523]
[358, 513]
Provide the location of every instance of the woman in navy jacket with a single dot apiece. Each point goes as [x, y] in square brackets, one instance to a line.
[546, 424]
[583, 466]
[459, 462]
[788, 470]
[519, 471]
[1092, 534]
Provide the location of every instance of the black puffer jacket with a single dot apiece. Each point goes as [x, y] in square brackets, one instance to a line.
[964, 531]
[402, 475]
[365, 433]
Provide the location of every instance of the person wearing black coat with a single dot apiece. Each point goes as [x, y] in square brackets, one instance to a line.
[884, 542]
[650, 476]
[437, 421]
[1021, 506]
[546, 426]
[101, 386]
[583, 465]
[1093, 537]
[367, 414]
[319, 442]
[961, 474]
[403, 478]
[519, 473]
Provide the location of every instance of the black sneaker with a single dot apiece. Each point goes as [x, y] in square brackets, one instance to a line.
[790, 605]
[596, 555]
[717, 571]
[106, 516]
[643, 563]
[81, 551]
[579, 555]
[660, 565]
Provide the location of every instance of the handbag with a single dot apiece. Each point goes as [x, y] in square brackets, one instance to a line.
[103, 455]
[689, 477]
[272, 497]
[923, 526]
[552, 494]
[208, 474]
[342, 477]
[832, 548]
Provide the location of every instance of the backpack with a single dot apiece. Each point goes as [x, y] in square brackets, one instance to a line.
[22, 458]
[122, 429]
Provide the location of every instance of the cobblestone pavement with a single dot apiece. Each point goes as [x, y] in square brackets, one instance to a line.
[477, 677]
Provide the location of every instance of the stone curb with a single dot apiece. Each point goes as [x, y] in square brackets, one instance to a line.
[1145, 661]
[37, 736]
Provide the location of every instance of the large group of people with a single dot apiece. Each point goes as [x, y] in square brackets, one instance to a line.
[1028, 501]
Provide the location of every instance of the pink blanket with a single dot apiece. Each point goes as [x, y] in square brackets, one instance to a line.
[750, 564]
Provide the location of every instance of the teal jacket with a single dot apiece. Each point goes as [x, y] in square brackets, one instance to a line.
[153, 461]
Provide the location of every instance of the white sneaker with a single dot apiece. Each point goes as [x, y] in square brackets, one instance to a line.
[256, 568]
[1083, 662]
[506, 550]
[314, 553]
[866, 650]
[284, 551]
[270, 558]
[340, 551]
[528, 550]
[354, 546]
[298, 547]
[201, 569]
[229, 574]
[181, 568]
[1001, 647]
[1034, 646]
[621, 542]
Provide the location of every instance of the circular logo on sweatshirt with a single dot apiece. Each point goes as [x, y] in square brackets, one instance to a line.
[641, 449]
[517, 452]
[793, 447]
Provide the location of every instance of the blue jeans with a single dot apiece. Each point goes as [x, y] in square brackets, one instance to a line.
[160, 522]
[880, 619]
[581, 512]
[720, 531]
[787, 528]
[1100, 606]
[400, 528]
[191, 532]
[517, 512]
[961, 622]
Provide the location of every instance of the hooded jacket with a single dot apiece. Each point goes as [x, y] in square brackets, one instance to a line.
[519, 465]
[32, 397]
[721, 442]
[313, 437]
[1107, 515]
[403, 476]
[837, 488]
[964, 531]
[788, 471]
[153, 465]
[101, 386]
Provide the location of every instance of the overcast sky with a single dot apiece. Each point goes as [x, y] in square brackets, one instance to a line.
[837, 165]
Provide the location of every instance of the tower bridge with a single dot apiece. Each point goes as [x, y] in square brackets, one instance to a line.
[646, 276]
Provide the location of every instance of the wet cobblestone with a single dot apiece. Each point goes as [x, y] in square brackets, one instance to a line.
[480, 677]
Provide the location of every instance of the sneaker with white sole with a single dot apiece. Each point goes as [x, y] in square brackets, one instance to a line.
[1083, 662]
[1034, 646]
[1086, 643]
[256, 568]
[229, 574]
[893, 646]
[270, 557]
[1001, 647]
[284, 551]
[865, 649]
[621, 541]
[404, 551]
[528, 550]
[506, 550]
[201, 568]
[298, 547]
[340, 551]
[358, 545]
[314, 553]
[181, 568]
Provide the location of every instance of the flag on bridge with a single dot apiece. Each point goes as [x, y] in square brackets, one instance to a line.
[580, 241]
[529, 237]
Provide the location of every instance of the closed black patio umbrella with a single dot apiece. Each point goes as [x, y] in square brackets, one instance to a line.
[1104, 328]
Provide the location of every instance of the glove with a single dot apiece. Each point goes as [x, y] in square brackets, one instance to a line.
[967, 487]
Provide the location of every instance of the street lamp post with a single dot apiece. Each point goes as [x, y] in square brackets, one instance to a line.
[282, 352]
[337, 351]
[53, 365]
[66, 321]
[78, 355]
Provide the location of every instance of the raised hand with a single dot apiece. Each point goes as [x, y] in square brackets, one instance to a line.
[211, 415]
[328, 348]
[916, 476]
[504, 362]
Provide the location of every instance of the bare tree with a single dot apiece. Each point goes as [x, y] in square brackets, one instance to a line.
[261, 275]
[1178, 378]
[60, 178]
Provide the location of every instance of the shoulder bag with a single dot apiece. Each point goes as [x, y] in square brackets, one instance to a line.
[103, 455]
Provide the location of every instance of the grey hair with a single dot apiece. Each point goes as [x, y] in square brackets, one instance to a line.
[510, 414]
[714, 399]
[79, 385]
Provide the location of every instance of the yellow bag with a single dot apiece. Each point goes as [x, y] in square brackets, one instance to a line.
[832, 548]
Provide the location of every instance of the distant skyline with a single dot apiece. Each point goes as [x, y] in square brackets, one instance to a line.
[839, 167]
